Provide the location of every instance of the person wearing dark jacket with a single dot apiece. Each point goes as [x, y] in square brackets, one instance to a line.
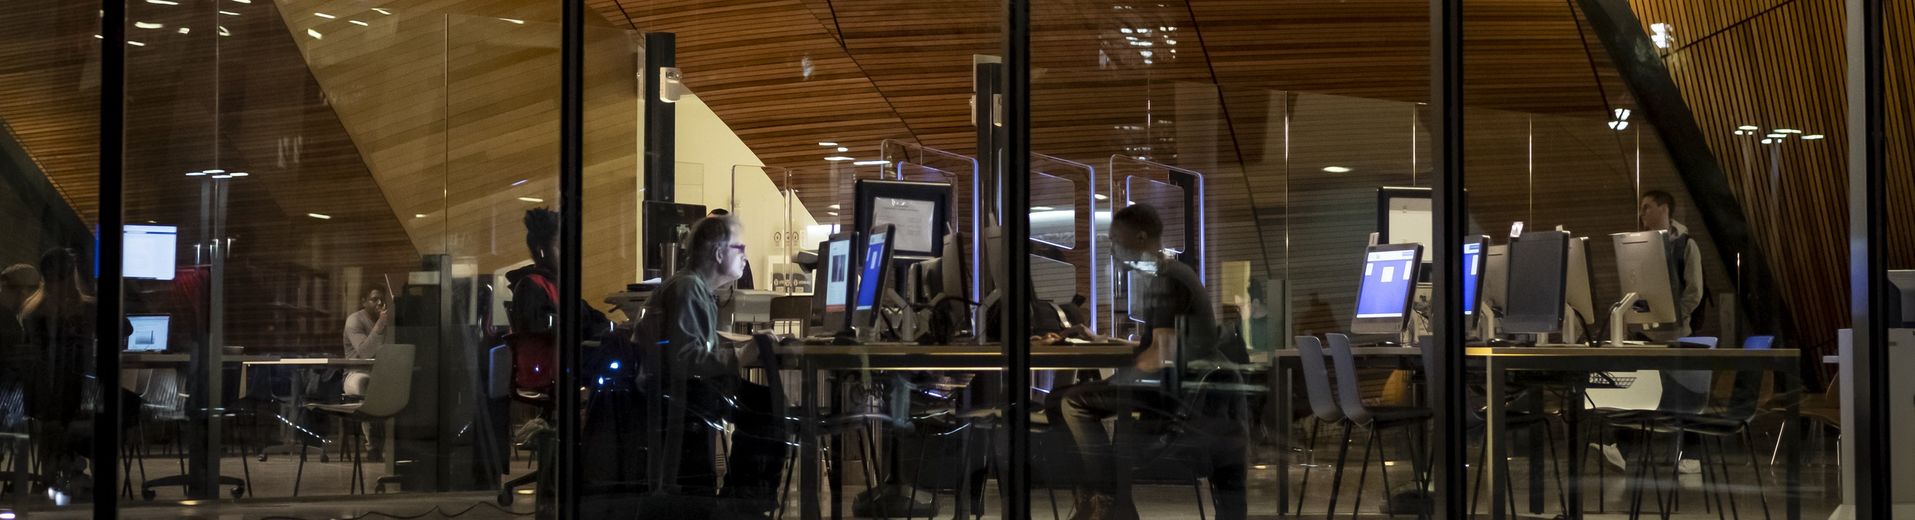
[534, 309]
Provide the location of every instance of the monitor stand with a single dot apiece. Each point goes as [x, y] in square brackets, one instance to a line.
[1618, 319]
[1572, 331]
[1485, 323]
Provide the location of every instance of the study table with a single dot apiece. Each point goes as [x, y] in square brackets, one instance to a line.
[813, 360]
[295, 409]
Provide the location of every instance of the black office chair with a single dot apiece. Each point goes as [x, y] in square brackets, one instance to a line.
[1375, 419]
[1730, 421]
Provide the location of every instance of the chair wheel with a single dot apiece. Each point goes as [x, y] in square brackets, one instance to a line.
[149, 494]
[239, 491]
[505, 498]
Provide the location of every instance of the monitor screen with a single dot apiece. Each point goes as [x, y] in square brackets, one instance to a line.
[871, 270]
[837, 284]
[151, 251]
[1538, 263]
[916, 222]
[1472, 276]
[1388, 277]
[149, 333]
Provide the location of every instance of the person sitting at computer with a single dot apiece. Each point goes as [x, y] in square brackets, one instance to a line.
[744, 280]
[367, 330]
[532, 318]
[686, 314]
[1175, 294]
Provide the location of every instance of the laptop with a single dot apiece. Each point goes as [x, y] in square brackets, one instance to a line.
[149, 332]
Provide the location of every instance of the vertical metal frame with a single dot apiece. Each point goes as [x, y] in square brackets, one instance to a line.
[106, 357]
[1868, 206]
[1016, 186]
[1447, 395]
[571, 181]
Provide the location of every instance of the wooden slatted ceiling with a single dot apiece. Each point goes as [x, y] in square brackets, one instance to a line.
[454, 105]
[1899, 34]
[1779, 67]
[51, 107]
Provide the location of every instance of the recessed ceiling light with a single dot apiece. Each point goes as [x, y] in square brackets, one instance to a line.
[1812, 137]
[843, 149]
[315, 34]
[833, 206]
[222, 176]
[149, 25]
[320, 216]
[1747, 127]
[229, 13]
[359, 23]
[215, 171]
[520, 181]
[827, 143]
[162, 2]
[533, 200]
[1336, 169]
[835, 158]
[514, 20]
[195, 174]
[1778, 136]
[1101, 196]
[135, 44]
[1787, 131]
[418, 215]
[380, 11]
[1768, 141]
[324, 15]
[238, 174]
[1041, 208]
[832, 213]
[871, 163]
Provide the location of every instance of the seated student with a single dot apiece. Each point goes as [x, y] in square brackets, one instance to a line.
[687, 314]
[366, 331]
[1175, 293]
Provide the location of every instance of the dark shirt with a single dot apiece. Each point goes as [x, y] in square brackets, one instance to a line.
[1175, 292]
[533, 310]
[687, 315]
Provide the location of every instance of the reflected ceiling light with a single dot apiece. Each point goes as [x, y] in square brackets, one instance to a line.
[1145, 53]
[1143, 30]
[1812, 137]
[1143, 44]
[1042, 208]
[98, 37]
[229, 13]
[1171, 28]
[833, 206]
[135, 44]
[238, 174]
[871, 163]
[148, 25]
[514, 20]
[1336, 169]
[324, 15]
[1618, 125]
[320, 216]
[1787, 131]
[827, 143]
[222, 176]
[534, 200]
[520, 181]
[1100, 196]
[242, 1]
[1744, 132]
[359, 23]
[315, 34]
[843, 149]
[836, 158]
[382, 11]
[832, 213]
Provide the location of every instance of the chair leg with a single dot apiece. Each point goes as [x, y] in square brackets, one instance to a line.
[1726, 484]
[1476, 492]
[1336, 481]
[1761, 491]
[1304, 489]
[1562, 492]
[1196, 488]
[1416, 463]
[1711, 486]
[301, 472]
[1363, 475]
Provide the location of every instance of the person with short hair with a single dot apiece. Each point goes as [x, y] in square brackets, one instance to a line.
[744, 280]
[1656, 211]
[1175, 294]
[687, 323]
[367, 330]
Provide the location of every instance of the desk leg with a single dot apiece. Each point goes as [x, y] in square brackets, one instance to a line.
[1495, 441]
[1793, 439]
[1280, 392]
[837, 453]
[1572, 420]
[808, 443]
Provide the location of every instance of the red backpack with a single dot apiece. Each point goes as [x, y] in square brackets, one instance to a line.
[535, 356]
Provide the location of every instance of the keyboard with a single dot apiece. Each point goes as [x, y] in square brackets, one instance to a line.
[1608, 380]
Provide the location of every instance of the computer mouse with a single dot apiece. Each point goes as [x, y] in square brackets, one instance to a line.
[1498, 342]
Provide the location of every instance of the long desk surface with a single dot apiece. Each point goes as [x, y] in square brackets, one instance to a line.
[899, 356]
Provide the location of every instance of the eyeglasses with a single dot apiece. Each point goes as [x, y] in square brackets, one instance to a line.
[740, 248]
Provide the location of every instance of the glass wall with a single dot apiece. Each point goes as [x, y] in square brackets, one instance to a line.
[49, 167]
[1899, 122]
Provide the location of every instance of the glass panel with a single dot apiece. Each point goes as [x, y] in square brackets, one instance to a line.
[1899, 84]
[49, 206]
[1054, 210]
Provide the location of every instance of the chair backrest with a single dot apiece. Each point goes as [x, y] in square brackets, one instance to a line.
[1745, 391]
[162, 391]
[391, 387]
[498, 372]
[1316, 380]
[1687, 391]
[1350, 398]
[1706, 341]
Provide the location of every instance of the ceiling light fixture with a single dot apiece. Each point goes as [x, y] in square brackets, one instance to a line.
[827, 143]
[1812, 137]
[1750, 128]
[1787, 131]
[382, 11]
[514, 20]
[1778, 136]
[520, 181]
[135, 44]
[418, 215]
[871, 163]
[195, 174]
[222, 176]
[837, 158]
[1336, 169]
[320, 216]
[843, 149]
[229, 13]
[185, 30]
[162, 2]
[359, 23]
[1768, 141]
[1042, 208]
[315, 34]
[833, 206]
[1100, 196]
[534, 200]
[324, 15]
[238, 174]
[148, 25]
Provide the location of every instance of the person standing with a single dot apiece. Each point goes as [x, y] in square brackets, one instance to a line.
[1656, 212]
[367, 330]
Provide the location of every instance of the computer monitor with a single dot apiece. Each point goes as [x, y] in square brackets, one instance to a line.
[874, 268]
[920, 212]
[834, 281]
[1389, 280]
[1536, 264]
[1901, 309]
[1642, 265]
[151, 251]
[1496, 276]
[667, 223]
[1576, 284]
[1473, 273]
[149, 332]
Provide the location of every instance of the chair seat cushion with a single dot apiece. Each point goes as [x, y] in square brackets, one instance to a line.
[338, 409]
